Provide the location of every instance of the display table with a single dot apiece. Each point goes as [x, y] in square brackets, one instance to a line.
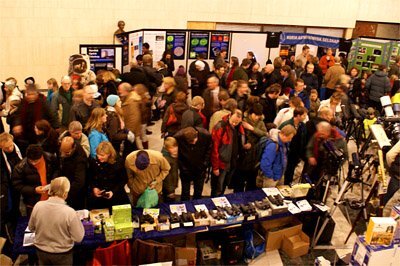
[93, 243]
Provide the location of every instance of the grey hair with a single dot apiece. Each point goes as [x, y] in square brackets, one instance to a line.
[59, 187]
[66, 78]
[75, 126]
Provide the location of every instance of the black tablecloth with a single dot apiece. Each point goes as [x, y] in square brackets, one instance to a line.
[88, 243]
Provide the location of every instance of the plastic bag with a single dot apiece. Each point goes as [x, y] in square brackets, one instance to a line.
[254, 243]
[148, 199]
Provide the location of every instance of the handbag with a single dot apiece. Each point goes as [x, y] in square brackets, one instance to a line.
[172, 119]
[148, 199]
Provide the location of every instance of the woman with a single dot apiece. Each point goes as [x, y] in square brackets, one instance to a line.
[354, 85]
[233, 65]
[173, 115]
[107, 178]
[109, 86]
[95, 127]
[52, 87]
[145, 110]
[181, 79]
[168, 59]
[168, 94]
[56, 226]
[239, 90]
[46, 136]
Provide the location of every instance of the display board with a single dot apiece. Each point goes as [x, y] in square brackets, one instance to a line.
[176, 43]
[198, 43]
[219, 41]
[105, 57]
[255, 42]
[135, 44]
[156, 40]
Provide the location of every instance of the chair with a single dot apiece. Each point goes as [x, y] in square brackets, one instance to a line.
[146, 252]
[115, 254]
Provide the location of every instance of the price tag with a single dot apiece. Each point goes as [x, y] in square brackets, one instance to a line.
[148, 228]
[187, 224]
[174, 225]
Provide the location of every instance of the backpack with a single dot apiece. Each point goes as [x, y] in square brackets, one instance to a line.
[260, 147]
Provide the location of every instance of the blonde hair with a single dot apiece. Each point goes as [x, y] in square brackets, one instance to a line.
[53, 81]
[288, 130]
[169, 81]
[94, 121]
[59, 187]
[170, 142]
[107, 76]
[4, 137]
[107, 148]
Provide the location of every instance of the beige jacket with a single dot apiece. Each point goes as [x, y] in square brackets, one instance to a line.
[332, 75]
[131, 112]
[138, 180]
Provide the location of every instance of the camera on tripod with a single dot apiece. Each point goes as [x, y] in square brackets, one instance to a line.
[336, 157]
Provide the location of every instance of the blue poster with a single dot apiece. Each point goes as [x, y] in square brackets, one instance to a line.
[289, 38]
[176, 42]
[219, 41]
[198, 44]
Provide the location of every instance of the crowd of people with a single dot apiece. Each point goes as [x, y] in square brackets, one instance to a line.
[244, 125]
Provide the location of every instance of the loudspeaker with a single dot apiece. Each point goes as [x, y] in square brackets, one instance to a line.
[273, 39]
[345, 45]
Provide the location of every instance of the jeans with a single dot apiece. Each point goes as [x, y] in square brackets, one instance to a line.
[198, 183]
[219, 183]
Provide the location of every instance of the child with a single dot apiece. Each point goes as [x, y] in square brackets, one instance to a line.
[170, 183]
[369, 120]
[314, 103]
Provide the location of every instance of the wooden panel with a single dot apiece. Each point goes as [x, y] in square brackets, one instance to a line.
[367, 29]
[196, 25]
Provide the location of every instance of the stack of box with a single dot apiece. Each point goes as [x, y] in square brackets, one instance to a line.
[109, 229]
[122, 217]
[371, 255]
[380, 231]
[97, 216]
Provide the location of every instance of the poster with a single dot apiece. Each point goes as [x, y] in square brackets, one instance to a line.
[219, 41]
[135, 44]
[176, 42]
[124, 40]
[101, 58]
[198, 43]
[156, 40]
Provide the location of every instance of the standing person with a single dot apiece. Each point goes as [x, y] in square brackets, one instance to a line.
[168, 59]
[173, 116]
[145, 111]
[52, 87]
[395, 67]
[131, 110]
[32, 174]
[73, 164]
[210, 96]
[332, 77]
[181, 79]
[268, 101]
[64, 98]
[193, 117]
[46, 136]
[109, 86]
[75, 131]
[327, 61]
[228, 140]
[274, 157]
[154, 78]
[241, 72]
[305, 51]
[106, 178]
[233, 65]
[135, 76]
[145, 168]
[198, 77]
[239, 91]
[95, 127]
[82, 110]
[220, 58]
[301, 93]
[354, 86]
[193, 158]
[255, 80]
[378, 85]
[170, 183]
[56, 226]
[310, 79]
[219, 72]
[287, 81]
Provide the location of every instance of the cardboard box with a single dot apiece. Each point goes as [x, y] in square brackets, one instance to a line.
[123, 228]
[296, 245]
[122, 213]
[122, 236]
[380, 231]
[373, 255]
[97, 216]
[395, 214]
[108, 225]
[276, 229]
[185, 256]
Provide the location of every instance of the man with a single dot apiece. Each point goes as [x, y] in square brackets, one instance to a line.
[304, 55]
[310, 79]
[82, 110]
[75, 131]
[146, 49]
[219, 72]
[153, 77]
[299, 92]
[334, 103]
[56, 226]
[193, 158]
[378, 85]
[63, 97]
[241, 72]
[395, 67]
[73, 164]
[324, 114]
[268, 101]
[220, 58]
[332, 77]
[317, 155]
[210, 96]
[135, 76]
[298, 143]
[192, 67]
[228, 106]
[145, 168]
[287, 82]
[32, 175]
[286, 113]
[268, 77]
[274, 157]
[326, 61]
[32, 109]
[255, 80]
[9, 198]
[193, 117]
[228, 140]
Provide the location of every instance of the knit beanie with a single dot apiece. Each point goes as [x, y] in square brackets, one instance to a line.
[142, 160]
[112, 99]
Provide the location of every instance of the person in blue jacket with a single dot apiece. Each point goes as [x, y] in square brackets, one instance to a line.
[300, 92]
[274, 157]
[95, 127]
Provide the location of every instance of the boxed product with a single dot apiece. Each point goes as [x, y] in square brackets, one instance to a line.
[97, 216]
[201, 216]
[380, 231]
[263, 208]
[89, 229]
[395, 214]
[300, 190]
[296, 245]
[185, 256]
[163, 223]
[208, 254]
[217, 217]
[123, 231]
[108, 225]
[276, 200]
[373, 255]
[122, 213]
[148, 219]
[276, 229]
[123, 236]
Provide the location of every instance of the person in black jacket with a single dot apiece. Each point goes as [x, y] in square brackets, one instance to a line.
[154, 78]
[268, 101]
[193, 157]
[31, 176]
[107, 178]
[310, 79]
[135, 76]
[73, 164]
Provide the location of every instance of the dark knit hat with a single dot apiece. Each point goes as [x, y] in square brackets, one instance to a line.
[142, 160]
[29, 80]
[34, 152]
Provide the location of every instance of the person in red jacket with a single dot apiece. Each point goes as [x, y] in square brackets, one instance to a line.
[327, 61]
[228, 140]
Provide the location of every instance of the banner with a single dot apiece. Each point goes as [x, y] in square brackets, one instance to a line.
[289, 38]
[198, 43]
[176, 43]
[219, 41]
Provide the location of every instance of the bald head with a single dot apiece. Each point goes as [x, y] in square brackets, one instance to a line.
[269, 68]
[67, 146]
